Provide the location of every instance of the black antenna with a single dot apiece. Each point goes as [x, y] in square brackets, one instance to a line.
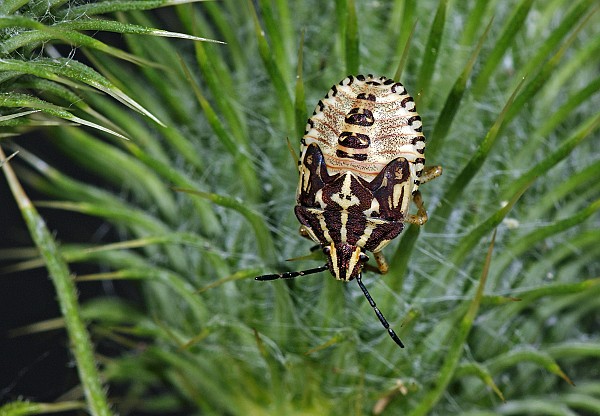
[382, 319]
[290, 275]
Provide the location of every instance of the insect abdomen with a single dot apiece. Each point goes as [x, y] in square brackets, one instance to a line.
[365, 122]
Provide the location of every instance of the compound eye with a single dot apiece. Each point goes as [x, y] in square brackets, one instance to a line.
[363, 257]
[327, 250]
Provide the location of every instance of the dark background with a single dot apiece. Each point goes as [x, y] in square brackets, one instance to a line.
[33, 366]
[38, 366]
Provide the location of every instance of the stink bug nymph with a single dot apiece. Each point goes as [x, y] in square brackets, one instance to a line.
[362, 161]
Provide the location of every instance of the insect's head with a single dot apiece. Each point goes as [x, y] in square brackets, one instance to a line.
[345, 261]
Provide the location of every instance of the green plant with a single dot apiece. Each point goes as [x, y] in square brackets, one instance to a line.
[508, 93]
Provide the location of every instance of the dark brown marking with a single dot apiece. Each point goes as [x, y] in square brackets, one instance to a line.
[321, 105]
[360, 77]
[310, 220]
[354, 140]
[335, 188]
[382, 186]
[412, 120]
[314, 164]
[388, 81]
[359, 156]
[406, 100]
[334, 193]
[363, 96]
[385, 231]
[360, 117]
[397, 86]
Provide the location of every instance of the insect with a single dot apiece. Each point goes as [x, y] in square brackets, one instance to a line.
[362, 161]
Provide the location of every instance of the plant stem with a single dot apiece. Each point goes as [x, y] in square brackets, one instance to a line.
[81, 344]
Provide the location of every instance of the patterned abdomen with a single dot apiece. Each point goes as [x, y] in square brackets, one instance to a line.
[365, 122]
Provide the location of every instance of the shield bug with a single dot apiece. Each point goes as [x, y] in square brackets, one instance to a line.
[362, 161]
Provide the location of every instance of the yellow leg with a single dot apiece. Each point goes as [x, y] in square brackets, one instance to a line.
[381, 262]
[304, 232]
[430, 173]
[420, 217]
[382, 266]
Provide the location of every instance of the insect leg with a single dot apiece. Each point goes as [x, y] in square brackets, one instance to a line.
[420, 217]
[304, 232]
[290, 275]
[382, 319]
[429, 173]
[382, 264]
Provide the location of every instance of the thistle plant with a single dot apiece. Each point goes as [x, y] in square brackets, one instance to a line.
[496, 297]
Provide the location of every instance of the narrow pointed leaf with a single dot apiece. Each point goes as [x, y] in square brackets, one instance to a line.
[67, 297]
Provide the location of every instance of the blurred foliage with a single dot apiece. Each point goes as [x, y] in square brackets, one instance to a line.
[508, 94]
